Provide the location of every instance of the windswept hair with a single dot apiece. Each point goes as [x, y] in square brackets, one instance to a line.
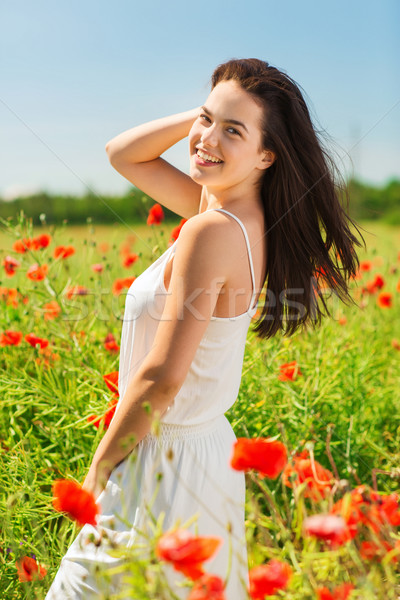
[308, 236]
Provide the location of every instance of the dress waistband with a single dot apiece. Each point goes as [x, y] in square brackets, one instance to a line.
[175, 431]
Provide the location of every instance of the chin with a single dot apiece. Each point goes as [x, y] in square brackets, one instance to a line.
[193, 173]
[197, 175]
[195, 179]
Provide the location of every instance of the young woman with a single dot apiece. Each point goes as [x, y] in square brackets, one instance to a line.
[263, 207]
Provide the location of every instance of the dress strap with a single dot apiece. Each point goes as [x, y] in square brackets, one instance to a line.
[249, 253]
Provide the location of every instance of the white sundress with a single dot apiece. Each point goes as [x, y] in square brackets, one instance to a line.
[183, 471]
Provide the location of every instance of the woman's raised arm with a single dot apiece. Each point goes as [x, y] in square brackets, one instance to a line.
[135, 154]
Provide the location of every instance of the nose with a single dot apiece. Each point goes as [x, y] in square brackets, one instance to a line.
[210, 136]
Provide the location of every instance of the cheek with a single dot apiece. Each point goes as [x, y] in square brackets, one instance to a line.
[194, 133]
[247, 155]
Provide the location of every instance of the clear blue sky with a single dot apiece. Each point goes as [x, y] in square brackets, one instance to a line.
[75, 74]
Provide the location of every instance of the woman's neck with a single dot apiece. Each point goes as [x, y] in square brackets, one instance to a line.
[229, 201]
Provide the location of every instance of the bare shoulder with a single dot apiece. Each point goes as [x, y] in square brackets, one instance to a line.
[209, 234]
[209, 224]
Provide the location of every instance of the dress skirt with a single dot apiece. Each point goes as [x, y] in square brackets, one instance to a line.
[180, 475]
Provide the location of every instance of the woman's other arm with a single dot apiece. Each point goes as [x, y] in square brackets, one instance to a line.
[131, 422]
[135, 154]
[201, 264]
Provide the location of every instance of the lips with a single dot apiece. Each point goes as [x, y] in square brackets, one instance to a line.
[200, 162]
[207, 156]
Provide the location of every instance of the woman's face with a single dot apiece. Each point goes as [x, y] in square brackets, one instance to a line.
[228, 128]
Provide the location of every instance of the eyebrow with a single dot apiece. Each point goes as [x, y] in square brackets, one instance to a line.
[226, 120]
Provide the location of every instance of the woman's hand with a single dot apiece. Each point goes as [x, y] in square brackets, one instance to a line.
[96, 480]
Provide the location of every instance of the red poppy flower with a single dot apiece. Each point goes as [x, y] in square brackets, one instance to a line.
[11, 296]
[110, 343]
[384, 300]
[10, 338]
[42, 241]
[289, 371]
[156, 215]
[111, 381]
[186, 552]
[366, 265]
[47, 356]
[208, 587]
[112, 405]
[375, 285]
[22, 246]
[130, 259]
[37, 273]
[267, 579]
[125, 248]
[372, 551]
[384, 509]
[5, 294]
[304, 470]
[366, 507]
[330, 528]
[98, 268]
[175, 232]
[395, 344]
[29, 570]
[120, 284]
[71, 498]
[266, 456]
[52, 310]
[33, 340]
[341, 592]
[350, 511]
[10, 264]
[107, 417]
[111, 346]
[76, 290]
[63, 251]
[110, 412]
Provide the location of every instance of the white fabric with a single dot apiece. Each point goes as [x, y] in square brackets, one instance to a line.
[184, 471]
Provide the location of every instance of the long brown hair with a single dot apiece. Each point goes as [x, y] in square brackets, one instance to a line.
[301, 195]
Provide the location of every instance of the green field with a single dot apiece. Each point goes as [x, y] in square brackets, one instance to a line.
[348, 394]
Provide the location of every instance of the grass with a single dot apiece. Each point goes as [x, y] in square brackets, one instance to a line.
[345, 405]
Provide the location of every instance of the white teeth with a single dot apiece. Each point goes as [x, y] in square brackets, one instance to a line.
[205, 156]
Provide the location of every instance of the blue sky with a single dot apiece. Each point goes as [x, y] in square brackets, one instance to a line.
[75, 74]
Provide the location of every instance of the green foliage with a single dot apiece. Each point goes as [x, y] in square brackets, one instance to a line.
[373, 203]
[345, 405]
[133, 206]
[366, 203]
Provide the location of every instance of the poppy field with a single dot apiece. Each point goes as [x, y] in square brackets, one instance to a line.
[317, 420]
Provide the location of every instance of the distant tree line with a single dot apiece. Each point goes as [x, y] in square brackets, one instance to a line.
[132, 207]
[366, 203]
[375, 203]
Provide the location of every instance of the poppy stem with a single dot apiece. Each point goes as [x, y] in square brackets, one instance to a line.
[395, 474]
[328, 450]
[268, 496]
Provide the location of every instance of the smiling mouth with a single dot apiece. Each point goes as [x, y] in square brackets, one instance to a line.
[208, 157]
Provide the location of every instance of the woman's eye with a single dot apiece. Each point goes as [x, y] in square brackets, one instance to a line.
[229, 129]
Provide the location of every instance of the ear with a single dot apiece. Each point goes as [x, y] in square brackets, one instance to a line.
[267, 159]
